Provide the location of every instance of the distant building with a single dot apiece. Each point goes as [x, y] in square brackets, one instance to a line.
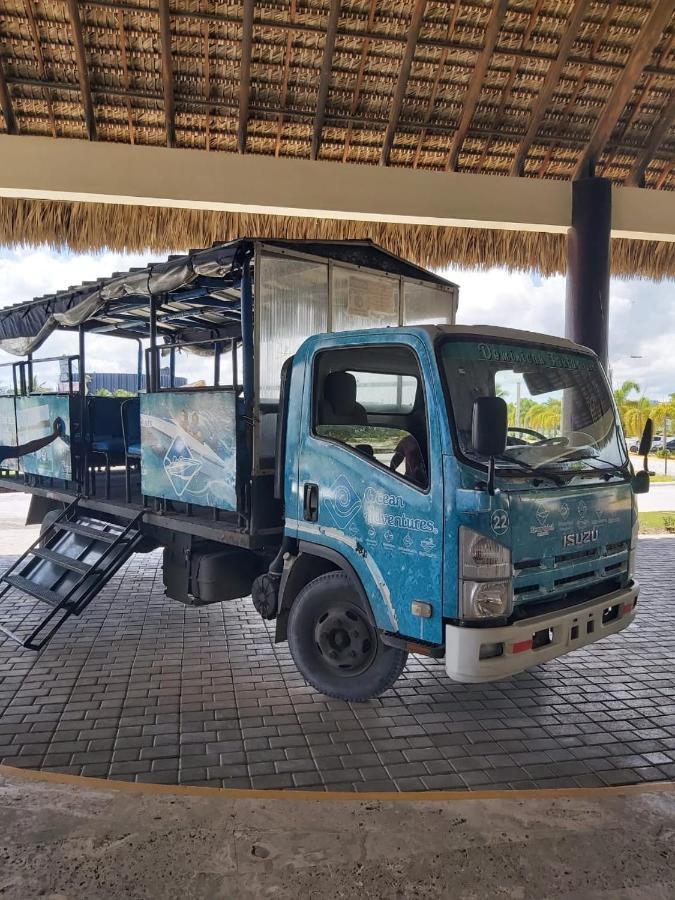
[120, 381]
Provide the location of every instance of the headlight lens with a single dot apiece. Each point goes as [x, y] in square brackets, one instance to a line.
[482, 557]
[485, 599]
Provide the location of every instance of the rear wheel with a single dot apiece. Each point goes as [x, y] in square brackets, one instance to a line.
[335, 645]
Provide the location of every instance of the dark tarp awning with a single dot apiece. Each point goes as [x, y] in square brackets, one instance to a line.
[199, 291]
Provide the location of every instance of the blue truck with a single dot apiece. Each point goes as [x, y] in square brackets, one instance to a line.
[413, 487]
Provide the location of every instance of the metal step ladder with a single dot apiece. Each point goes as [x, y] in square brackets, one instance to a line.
[65, 568]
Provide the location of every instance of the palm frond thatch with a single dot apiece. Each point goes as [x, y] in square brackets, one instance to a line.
[87, 226]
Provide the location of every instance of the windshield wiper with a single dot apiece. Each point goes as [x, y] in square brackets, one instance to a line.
[606, 468]
[537, 475]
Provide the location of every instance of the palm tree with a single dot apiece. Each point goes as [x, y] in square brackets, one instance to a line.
[623, 400]
[660, 412]
[636, 414]
[545, 417]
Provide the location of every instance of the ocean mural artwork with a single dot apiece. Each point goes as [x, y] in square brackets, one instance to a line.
[35, 417]
[8, 429]
[188, 443]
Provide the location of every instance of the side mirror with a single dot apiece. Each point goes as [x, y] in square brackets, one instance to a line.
[646, 442]
[641, 482]
[489, 425]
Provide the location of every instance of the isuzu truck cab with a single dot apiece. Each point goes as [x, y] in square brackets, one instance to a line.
[377, 478]
[419, 517]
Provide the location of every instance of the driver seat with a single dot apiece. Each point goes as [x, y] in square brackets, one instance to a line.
[338, 404]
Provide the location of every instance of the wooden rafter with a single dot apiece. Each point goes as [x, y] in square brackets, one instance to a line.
[338, 119]
[644, 93]
[646, 41]
[440, 68]
[324, 79]
[510, 81]
[551, 80]
[284, 81]
[402, 81]
[507, 51]
[664, 123]
[125, 72]
[663, 177]
[598, 38]
[207, 84]
[167, 72]
[82, 70]
[360, 74]
[32, 24]
[245, 74]
[6, 103]
[476, 83]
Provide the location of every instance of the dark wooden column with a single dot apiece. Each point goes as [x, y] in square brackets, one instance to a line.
[588, 261]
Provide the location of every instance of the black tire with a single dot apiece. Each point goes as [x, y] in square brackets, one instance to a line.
[334, 644]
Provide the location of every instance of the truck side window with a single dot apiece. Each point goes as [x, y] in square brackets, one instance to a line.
[372, 400]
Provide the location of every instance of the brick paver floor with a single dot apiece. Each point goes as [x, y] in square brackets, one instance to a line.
[145, 689]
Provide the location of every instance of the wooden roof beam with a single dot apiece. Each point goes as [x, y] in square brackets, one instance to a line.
[82, 70]
[402, 81]
[125, 72]
[167, 72]
[476, 84]
[6, 103]
[245, 74]
[32, 24]
[598, 38]
[649, 36]
[284, 82]
[324, 80]
[513, 74]
[284, 25]
[551, 80]
[356, 97]
[665, 121]
[443, 58]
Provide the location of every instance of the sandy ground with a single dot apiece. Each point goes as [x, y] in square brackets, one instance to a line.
[67, 842]
[15, 535]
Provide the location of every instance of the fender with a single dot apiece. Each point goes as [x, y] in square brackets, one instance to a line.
[338, 561]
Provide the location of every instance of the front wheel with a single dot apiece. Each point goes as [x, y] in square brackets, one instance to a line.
[334, 644]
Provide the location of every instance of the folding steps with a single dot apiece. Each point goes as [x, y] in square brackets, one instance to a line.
[64, 569]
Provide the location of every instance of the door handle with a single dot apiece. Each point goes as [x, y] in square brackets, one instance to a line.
[311, 502]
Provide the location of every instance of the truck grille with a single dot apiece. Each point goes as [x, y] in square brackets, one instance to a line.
[545, 579]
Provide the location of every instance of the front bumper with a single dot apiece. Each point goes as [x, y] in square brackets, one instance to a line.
[568, 630]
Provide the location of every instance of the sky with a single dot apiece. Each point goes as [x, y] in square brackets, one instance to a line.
[642, 313]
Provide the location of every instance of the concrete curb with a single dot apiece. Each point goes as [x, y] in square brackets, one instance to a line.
[133, 787]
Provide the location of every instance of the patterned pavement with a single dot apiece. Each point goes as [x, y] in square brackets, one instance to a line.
[145, 689]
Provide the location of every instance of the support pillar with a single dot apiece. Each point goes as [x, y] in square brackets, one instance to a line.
[588, 265]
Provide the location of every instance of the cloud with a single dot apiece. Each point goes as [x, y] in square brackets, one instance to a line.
[27, 272]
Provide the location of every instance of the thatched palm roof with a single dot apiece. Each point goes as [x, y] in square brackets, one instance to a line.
[544, 88]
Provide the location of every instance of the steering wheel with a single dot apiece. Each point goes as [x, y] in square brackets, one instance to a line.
[551, 441]
[531, 431]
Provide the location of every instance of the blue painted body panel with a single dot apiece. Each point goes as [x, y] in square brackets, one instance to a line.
[35, 417]
[404, 542]
[189, 447]
[8, 428]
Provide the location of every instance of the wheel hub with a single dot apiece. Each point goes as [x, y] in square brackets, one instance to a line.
[345, 639]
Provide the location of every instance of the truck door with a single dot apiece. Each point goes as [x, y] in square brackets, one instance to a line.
[370, 481]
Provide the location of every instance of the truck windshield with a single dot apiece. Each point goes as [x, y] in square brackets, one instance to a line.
[560, 411]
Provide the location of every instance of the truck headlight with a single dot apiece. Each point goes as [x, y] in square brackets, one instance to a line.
[482, 558]
[485, 599]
